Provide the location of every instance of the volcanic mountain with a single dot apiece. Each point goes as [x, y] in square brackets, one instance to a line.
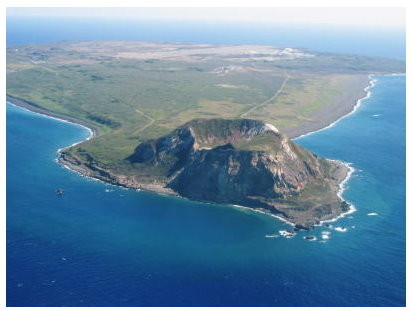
[243, 162]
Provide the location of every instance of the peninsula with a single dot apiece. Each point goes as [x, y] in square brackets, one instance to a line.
[235, 161]
[194, 119]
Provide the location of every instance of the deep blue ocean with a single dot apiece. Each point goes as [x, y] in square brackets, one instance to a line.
[101, 245]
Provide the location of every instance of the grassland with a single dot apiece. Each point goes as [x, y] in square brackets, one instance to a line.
[133, 91]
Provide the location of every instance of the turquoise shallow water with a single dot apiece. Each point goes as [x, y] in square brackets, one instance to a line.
[101, 245]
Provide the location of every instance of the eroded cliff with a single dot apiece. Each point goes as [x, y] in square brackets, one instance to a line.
[244, 162]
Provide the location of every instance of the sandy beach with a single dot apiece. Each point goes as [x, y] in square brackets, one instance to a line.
[35, 108]
[341, 105]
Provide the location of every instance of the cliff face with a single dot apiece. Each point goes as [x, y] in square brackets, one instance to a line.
[244, 162]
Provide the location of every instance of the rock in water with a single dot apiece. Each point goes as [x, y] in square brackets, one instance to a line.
[244, 162]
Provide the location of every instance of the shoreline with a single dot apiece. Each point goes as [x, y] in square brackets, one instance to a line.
[351, 170]
[340, 104]
[342, 188]
[32, 107]
[358, 103]
[94, 131]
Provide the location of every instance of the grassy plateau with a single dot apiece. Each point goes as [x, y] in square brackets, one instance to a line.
[133, 91]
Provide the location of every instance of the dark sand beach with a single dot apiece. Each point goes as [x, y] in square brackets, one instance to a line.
[344, 103]
[35, 108]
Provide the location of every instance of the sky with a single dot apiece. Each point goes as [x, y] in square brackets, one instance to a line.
[383, 17]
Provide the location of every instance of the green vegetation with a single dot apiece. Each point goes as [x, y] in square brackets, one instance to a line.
[134, 91]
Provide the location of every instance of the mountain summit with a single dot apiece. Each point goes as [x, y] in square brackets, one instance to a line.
[244, 162]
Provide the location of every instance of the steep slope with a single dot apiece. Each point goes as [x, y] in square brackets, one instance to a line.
[244, 162]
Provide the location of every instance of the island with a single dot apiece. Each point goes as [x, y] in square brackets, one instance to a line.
[203, 121]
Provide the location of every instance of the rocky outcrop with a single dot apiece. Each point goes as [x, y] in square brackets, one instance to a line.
[243, 162]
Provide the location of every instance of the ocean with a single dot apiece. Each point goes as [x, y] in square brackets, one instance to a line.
[352, 40]
[102, 245]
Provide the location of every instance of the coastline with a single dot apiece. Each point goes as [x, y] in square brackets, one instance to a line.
[351, 170]
[94, 131]
[341, 105]
[353, 110]
[342, 188]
